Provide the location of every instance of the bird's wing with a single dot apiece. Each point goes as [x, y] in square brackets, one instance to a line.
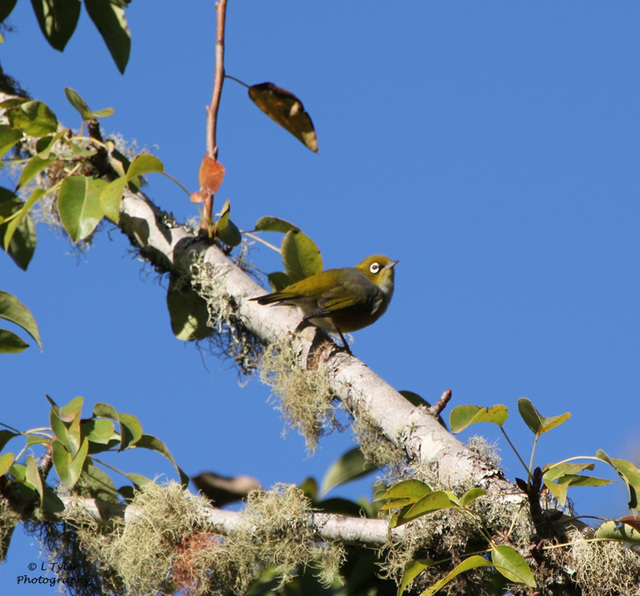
[351, 296]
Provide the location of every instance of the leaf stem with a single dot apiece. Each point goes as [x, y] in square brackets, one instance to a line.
[515, 451]
[237, 80]
[258, 239]
[533, 452]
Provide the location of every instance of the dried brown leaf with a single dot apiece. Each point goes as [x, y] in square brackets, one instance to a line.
[287, 110]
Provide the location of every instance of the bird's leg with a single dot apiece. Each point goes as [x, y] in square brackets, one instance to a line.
[344, 341]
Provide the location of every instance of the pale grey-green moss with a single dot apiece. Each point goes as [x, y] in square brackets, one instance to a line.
[487, 451]
[378, 449]
[282, 536]
[78, 548]
[9, 519]
[167, 544]
[602, 568]
[304, 397]
[231, 336]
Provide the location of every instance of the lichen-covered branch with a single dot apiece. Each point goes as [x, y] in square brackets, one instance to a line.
[348, 530]
[363, 392]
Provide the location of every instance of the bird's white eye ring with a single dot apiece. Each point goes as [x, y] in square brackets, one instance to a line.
[374, 268]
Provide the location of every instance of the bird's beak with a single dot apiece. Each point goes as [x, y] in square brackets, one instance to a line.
[391, 265]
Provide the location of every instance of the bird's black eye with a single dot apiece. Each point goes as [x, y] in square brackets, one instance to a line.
[374, 267]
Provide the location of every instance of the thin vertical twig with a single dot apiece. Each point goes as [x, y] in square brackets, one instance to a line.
[212, 108]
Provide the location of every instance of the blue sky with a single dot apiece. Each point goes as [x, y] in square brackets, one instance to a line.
[492, 148]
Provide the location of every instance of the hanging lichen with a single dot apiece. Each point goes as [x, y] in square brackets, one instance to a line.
[304, 397]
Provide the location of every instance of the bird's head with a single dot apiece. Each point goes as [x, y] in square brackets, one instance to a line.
[379, 269]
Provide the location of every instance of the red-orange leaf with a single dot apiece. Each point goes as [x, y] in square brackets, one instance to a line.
[287, 110]
[211, 175]
[199, 196]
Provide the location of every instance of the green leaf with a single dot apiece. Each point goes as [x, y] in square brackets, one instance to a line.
[130, 430]
[33, 477]
[8, 138]
[61, 432]
[629, 474]
[559, 489]
[188, 312]
[99, 431]
[144, 164]
[101, 410]
[510, 563]
[309, 487]
[472, 562]
[137, 479]
[79, 205]
[67, 467]
[434, 501]
[112, 24]
[6, 461]
[554, 471]
[33, 118]
[225, 229]
[536, 421]
[278, 281]
[10, 343]
[412, 489]
[341, 506]
[7, 104]
[57, 20]
[349, 466]
[398, 503]
[6, 436]
[79, 104]
[52, 502]
[44, 145]
[300, 256]
[23, 244]
[34, 166]
[36, 440]
[65, 424]
[19, 472]
[71, 411]
[111, 197]
[155, 444]
[414, 399]
[117, 160]
[412, 570]
[5, 8]
[14, 311]
[613, 530]
[463, 416]
[274, 224]
[16, 220]
[471, 495]
[99, 484]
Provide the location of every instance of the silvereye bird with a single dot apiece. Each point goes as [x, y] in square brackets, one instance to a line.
[341, 300]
